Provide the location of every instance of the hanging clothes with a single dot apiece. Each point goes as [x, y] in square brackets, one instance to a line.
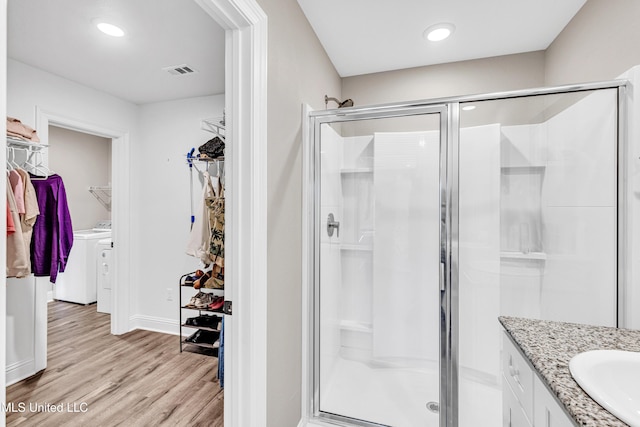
[17, 252]
[11, 226]
[28, 219]
[52, 231]
[215, 205]
[200, 235]
[17, 186]
[221, 355]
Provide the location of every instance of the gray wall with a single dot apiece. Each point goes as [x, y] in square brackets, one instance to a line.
[600, 43]
[457, 78]
[82, 161]
[299, 72]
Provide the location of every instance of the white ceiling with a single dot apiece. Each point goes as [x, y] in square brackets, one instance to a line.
[360, 37]
[59, 37]
[368, 36]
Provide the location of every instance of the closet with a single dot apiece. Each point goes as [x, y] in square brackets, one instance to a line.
[39, 239]
[202, 302]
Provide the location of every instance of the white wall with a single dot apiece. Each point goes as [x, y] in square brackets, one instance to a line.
[29, 87]
[82, 161]
[161, 204]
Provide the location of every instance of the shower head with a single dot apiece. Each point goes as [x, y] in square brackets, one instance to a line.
[341, 104]
[346, 103]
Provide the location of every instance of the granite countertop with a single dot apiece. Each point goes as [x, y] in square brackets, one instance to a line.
[550, 345]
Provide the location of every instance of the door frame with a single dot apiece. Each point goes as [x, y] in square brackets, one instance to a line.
[245, 25]
[120, 179]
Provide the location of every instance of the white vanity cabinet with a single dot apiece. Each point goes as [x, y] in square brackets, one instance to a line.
[526, 400]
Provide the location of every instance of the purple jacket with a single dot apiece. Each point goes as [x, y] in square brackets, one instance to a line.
[52, 233]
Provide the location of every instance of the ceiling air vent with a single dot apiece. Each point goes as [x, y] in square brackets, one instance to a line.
[179, 70]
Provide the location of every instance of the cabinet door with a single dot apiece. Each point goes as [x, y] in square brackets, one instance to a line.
[513, 414]
[547, 411]
[518, 375]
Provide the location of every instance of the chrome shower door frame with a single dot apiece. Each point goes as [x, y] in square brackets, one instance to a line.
[446, 160]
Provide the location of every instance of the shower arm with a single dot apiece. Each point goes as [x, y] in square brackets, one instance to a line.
[341, 104]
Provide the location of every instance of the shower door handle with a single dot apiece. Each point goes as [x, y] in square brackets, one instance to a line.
[332, 224]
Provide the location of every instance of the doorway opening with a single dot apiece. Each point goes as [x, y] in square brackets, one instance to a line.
[86, 279]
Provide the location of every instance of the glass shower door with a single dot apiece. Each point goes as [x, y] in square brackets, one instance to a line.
[377, 278]
[538, 210]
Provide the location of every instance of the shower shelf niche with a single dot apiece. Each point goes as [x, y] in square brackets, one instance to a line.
[347, 171]
[541, 256]
[356, 247]
[355, 326]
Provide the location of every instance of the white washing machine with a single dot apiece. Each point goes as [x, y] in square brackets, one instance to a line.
[78, 283]
[103, 271]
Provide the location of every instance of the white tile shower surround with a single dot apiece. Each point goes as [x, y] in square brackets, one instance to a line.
[399, 397]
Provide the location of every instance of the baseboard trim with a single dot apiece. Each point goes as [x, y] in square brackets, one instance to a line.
[19, 371]
[154, 324]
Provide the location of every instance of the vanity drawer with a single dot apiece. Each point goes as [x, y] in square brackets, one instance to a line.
[518, 375]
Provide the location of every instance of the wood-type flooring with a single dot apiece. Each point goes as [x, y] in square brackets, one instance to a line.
[98, 379]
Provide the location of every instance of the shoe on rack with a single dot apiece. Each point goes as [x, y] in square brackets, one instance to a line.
[207, 321]
[201, 336]
[217, 304]
[204, 300]
[194, 299]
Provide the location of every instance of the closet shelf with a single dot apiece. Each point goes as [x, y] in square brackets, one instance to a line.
[204, 309]
[214, 125]
[205, 328]
[103, 195]
[209, 348]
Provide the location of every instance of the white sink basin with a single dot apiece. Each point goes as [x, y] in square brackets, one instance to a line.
[611, 378]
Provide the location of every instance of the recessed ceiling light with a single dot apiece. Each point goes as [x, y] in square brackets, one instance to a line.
[110, 29]
[469, 107]
[438, 32]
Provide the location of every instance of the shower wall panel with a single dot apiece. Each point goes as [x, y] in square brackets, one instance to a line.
[580, 213]
[330, 201]
[406, 247]
[479, 249]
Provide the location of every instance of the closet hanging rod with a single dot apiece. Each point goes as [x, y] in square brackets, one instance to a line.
[191, 158]
[21, 143]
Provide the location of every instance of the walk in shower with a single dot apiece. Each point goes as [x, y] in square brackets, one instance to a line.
[428, 220]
